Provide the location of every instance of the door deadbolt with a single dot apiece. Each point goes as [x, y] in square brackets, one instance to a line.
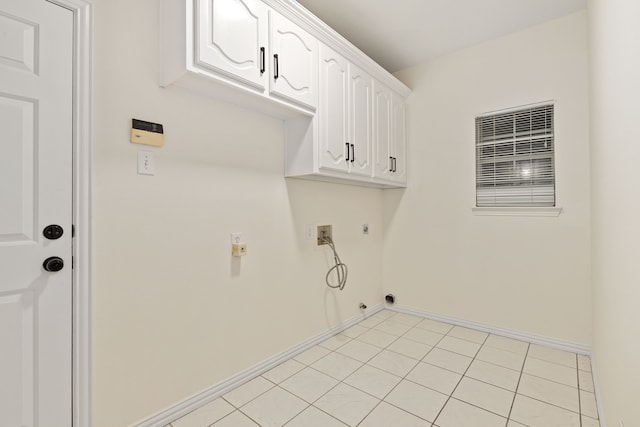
[53, 263]
[53, 232]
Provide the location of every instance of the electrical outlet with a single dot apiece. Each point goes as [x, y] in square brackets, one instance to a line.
[324, 231]
[239, 249]
[308, 232]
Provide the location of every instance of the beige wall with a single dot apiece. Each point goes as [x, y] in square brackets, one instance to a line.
[529, 274]
[615, 85]
[173, 312]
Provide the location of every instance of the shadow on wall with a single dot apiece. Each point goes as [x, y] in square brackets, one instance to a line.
[390, 205]
[346, 208]
[332, 310]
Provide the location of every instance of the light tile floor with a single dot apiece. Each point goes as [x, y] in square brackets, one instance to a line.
[394, 369]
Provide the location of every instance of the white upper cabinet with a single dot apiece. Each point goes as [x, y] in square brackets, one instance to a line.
[344, 115]
[237, 49]
[232, 37]
[294, 61]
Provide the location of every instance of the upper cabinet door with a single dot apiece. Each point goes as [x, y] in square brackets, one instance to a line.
[232, 39]
[360, 126]
[294, 62]
[399, 140]
[333, 111]
[382, 132]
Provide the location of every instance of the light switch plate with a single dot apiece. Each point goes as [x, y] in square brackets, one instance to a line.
[146, 163]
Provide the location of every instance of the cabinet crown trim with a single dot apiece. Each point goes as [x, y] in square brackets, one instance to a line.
[327, 35]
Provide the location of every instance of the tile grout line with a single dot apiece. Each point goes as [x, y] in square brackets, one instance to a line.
[238, 408]
[307, 366]
[545, 402]
[248, 416]
[551, 381]
[579, 394]
[323, 373]
[515, 393]
[342, 381]
[460, 380]
[405, 376]
[402, 378]
[579, 413]
[554, 363]
[463, 375]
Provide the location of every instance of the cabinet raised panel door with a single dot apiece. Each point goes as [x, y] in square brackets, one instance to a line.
[360, 126]
[294, 62]
[382, 131]
[399, 140]
[232, 38]
[332, 112]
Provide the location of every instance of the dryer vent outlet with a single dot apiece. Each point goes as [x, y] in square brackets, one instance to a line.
[390, 299]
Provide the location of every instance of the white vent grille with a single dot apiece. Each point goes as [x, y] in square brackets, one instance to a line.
[514, 158]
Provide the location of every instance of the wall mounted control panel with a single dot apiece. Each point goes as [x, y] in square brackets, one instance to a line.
[147, 133]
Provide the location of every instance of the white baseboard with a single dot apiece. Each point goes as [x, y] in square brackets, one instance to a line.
[509, 333]
[212, 393]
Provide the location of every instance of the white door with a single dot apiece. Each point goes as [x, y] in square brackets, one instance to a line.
[294, 56]
[333, 111]
[360, 133]
[35, 191]
[232, 39]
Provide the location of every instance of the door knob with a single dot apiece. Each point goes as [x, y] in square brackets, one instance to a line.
[53, 232]
[53, 263]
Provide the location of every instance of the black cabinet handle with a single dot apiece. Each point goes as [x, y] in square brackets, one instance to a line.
[262, 64]
[347, 144]
[394, 164]
[390, 164]
[276, 71]
[353, 153]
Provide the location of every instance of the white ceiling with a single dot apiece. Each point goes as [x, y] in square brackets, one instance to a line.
[401, 33]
